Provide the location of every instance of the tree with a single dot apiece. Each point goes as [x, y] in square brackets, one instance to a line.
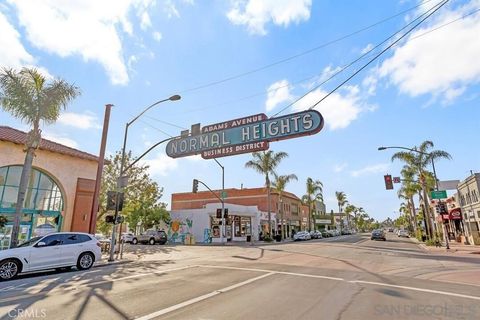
[28, 96]
[418, 162]
[142, 194]
[279, 185]
[314, 190]
[266, 163]
[341, 201]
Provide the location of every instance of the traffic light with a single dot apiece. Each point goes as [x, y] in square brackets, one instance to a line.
[388, 182]
[109, 219]
[195, 186]
[226, 214]
[441, 208]
[219, 213]
[112, 200]
[120, 219]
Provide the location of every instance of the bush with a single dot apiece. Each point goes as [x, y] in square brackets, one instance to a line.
[267, 238]
[418, 235]
[433, 242]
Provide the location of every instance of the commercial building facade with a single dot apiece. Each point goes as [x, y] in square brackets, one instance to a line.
[60, 189]
[286, 208]
[469, 199]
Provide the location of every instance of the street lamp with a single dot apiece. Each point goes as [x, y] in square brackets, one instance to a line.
[122, 164]
[434, 173]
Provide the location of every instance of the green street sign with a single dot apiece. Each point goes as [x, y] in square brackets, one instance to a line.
[440, 194]
[223, 194]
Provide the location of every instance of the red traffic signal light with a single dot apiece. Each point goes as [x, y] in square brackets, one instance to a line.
[388, 182]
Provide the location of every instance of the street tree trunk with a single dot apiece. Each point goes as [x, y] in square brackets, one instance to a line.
[34, 137]
[414, 215]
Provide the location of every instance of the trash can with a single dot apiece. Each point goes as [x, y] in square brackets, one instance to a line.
[424, 238]
[249, 238]
[278, 237]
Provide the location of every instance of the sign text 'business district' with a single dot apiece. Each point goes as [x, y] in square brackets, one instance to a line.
[245, 135]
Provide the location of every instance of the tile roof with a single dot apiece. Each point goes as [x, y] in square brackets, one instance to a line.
[16, 136]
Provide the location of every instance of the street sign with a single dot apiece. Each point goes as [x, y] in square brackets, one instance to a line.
[439, 194]
[448, 184]
[397, 180]
[122, 182]
[223, 194]
[245, 135]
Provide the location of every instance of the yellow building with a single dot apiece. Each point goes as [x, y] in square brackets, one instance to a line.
[60, 189]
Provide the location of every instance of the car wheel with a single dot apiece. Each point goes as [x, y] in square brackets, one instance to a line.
[371, 238]
[9, 269]
[85, 261]
[151, 241]
[134, 241]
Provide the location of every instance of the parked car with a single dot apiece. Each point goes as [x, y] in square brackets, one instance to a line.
[334, 233]
[403, 233]
[57, 250]
[302, 235]
[316, 234]
[104, 242]
[378, 234]
[151, 237]
[390, 229]
[325, 234]
[127, 237]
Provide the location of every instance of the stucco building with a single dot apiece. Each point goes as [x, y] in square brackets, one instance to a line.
[60, 189]
[288, 206]
[469, 198]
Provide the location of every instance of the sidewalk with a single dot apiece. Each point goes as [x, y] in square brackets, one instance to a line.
[455, 247]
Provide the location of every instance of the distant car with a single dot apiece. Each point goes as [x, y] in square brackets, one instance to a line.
[390, 229]
[346, 232]
[302, 235]
[403, 233]
[57, 250]
[325, 234]
[127, 237]
[151, 237]
[315, 234]
[378, 235]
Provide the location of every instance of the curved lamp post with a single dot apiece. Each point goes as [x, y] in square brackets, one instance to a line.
[122, 164]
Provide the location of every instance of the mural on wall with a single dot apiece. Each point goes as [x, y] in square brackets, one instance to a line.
[179, 229]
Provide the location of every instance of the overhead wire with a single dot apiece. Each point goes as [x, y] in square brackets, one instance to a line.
[243, 74]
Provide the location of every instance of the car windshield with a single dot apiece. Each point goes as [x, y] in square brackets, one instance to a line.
[29, 243]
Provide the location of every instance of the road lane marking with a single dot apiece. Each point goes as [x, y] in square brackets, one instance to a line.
[452, 294]
[82, 285]
[201, 298]
[273, 271]
[348, 281]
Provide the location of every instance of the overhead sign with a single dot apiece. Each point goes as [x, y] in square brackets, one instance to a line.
[323, 221]
[439, 194]
[245, 135]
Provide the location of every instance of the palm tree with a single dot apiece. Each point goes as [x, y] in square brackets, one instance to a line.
[341, 201]
[279, 184]
[419, 161]
[28, 96]
[314, 193]
[265, 163]
[408, 190]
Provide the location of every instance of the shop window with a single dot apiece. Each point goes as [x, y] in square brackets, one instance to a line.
[13, 175]
[9, 199]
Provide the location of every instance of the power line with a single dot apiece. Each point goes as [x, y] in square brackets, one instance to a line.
[378, 55]
[311, 77]
[358, 59]
[243, 74]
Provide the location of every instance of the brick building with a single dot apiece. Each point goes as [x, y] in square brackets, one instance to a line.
[289, 206]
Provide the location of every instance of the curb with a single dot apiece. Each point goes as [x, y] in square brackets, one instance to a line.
[107, 263]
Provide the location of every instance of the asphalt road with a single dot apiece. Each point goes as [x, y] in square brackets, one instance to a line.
[348, 277]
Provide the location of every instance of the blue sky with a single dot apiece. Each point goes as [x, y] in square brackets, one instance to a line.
[132, 53]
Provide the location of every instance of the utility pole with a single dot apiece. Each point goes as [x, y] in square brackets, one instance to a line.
[224, 227]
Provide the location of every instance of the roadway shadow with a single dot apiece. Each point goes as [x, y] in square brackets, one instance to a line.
[258, 258]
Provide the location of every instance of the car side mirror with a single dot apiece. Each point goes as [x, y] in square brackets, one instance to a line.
[41, 244]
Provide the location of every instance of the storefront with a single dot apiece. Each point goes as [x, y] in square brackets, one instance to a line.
[242, 224]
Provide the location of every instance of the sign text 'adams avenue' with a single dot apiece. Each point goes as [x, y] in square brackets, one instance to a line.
[245, 135]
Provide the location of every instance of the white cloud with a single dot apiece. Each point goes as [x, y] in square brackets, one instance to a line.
[171, 9]
[442, 63]
[371, 169]
[340, 167]
[157, 36]
[60, 139]
[81, 121]
[87, 28]
[278, 92]
[255, 14]
[339, 109]
[161, 165]
[12, 54]
[145, 21]
[367, 48]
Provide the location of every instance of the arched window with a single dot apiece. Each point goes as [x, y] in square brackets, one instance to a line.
[43, 194]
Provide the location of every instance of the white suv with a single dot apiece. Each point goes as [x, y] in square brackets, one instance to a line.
[53, 251]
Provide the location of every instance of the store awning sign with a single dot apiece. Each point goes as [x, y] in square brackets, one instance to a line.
[245, 135]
